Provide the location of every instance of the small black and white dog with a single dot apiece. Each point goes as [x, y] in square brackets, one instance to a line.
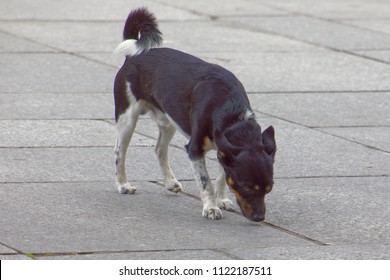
[203, 101]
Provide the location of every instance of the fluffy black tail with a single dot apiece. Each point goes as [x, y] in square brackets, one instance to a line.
[140, 33]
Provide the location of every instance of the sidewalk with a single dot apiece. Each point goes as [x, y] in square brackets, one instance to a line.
[318, 72]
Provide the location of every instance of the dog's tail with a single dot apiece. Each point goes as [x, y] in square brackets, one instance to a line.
[140, 34]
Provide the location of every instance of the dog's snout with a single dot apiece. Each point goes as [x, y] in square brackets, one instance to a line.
[258, 218]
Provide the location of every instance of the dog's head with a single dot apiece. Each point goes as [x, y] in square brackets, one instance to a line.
[249, 171]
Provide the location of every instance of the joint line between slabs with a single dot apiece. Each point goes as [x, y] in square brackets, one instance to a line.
[269, 224]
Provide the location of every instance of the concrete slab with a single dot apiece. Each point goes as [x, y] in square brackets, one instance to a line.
[62, 133]
[70, 36]
[340, 211]
[334, 9]
[56, 106]
[58, 133]
[14, 257]
[304, 71]
[377, 25]
[383, 55]
[304, 152]
[348, 252]
[6, 250]
[327, 109]
[221, 37]
[85, 10]
[187, 36]
[93, 217]
[145, 255]
[10, 43]
[88, 164]
[214, 8]
[377, 137]
[53, 73]
[320, 32]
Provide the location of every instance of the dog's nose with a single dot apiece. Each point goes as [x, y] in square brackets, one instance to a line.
[258, 218]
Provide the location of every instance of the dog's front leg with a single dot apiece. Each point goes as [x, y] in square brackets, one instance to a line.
[210, 208]
[221, 198]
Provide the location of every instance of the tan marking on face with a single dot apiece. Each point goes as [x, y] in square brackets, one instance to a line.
[206, 141]
[230, 181]
[221, 154]
[246, 208]
[208, 144]
[268, 188]
[257, 187]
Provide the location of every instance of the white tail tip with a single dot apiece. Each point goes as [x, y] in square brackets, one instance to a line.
[126, 48]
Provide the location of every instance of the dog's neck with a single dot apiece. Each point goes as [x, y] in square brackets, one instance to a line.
[243, 132]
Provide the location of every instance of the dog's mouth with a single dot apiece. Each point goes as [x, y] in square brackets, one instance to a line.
[250, 215]
[252, 211]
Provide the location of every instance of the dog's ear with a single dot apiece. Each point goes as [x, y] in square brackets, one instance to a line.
[226, 151]
[269, 141]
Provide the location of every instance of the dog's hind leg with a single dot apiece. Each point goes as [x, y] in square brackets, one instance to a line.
[166, 132]
[221, 198]
[210, 208]
[126, 124]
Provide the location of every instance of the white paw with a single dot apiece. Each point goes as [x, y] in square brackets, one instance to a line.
[126, 188]
[213, 213]
[173, 185]
[225, 203]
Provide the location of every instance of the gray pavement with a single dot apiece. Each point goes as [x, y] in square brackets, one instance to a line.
[318, 71]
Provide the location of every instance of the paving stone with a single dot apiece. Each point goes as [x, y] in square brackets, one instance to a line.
[88, 164]
[152, 255]
[186, 36]
[377, 137]
[62, 133]
[71, 36]
[48, 133]
[10, 43]
[305, 71]
[85, 10]
[229, 8]
[304, 152]
[383, 55]
[327, 109]
[49, 73]
[191, 37]
[320, 32]
[5, 250]
[347, 252]
[340, 211]
[54, 106]
[335, 9]
[14, 257]
[379, 25]
[94, 217]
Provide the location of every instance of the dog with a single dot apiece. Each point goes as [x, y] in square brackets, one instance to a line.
[207, 104]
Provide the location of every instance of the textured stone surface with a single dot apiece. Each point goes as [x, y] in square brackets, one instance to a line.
[69, 217]
[321, 32]
[327, 108]
[54, 106]
[53, 73]
[319, 73]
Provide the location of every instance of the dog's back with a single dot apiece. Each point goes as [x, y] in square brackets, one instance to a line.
[176, 82]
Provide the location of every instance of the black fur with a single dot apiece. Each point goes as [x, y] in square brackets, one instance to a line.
[142, 22]
[207, 102]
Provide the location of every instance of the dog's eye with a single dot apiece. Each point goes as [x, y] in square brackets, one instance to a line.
[267, 189]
